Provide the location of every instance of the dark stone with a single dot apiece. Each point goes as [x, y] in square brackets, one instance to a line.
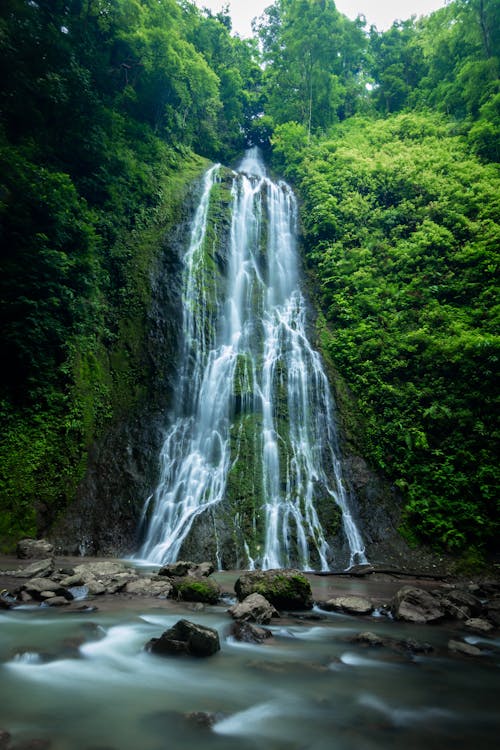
[34, 548]
[413, 647]
[45, 588]
[407, 645]
[285, 589]
[248, 633]
[461, 605]
[479, 625]
[39, 569]
[185, 638]
[4, 739]
[465, 649]
[367, 639]
[183, 568]
[416, 605]
[203, 719]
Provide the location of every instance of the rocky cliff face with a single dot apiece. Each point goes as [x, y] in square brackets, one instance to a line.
[122, 464]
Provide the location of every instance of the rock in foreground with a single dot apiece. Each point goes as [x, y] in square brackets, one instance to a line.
[185, 637]
[412, 604]
[285, 589]
[254, 608]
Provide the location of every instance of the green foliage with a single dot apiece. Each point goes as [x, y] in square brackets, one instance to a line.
[403, 230]
[101, 107]
[313, 58]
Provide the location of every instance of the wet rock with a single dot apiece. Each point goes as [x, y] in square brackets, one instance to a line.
[189, 589]
[407, 645]
[360, 570]
[35, 744]
[185, 637]
[492, 608]
[34, 548]
[204, 719]
[284, 588]
[185, 568]
[478, 625]
[412, 604]
[248, 633]
[154, 586]
[461, 605]
[367, 639]
[353, 605]
[254, 608]
[102, 569]
[101, 577]
[57, 601]
[45, 588]
[39, 569]
[4, 739]
[467, 649]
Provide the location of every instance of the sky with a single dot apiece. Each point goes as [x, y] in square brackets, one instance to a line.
[381, 13]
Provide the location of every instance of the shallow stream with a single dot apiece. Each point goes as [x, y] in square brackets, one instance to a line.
[84, 682]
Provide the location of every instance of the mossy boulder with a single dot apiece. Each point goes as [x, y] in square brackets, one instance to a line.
[191, 589]
[284, 588]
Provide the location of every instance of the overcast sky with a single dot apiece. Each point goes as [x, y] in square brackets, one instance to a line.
[381, 13]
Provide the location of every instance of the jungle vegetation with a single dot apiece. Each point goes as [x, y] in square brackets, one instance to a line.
[108, 111]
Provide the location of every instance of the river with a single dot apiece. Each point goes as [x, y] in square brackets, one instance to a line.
[83, 681]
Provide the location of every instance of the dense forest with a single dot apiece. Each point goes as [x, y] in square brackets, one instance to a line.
[110, 109]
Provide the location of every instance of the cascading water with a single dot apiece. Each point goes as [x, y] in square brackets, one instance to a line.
[252, 444]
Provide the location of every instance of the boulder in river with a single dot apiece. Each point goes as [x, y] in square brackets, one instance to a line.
[105, 577]
[34, 548]
[352, 605]
[466, 649]
[183, 568]
[154, 586]
[254, 608]
[38, 569]
[45, 588]
[249, 633]
[284, 588]
[189, 589]
[185, 637]
[478, 625]
[413, 604]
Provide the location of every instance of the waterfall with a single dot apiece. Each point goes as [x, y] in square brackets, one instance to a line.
[251, 451]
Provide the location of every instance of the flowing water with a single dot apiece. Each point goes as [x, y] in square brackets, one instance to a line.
[84, 682]
[253, 436]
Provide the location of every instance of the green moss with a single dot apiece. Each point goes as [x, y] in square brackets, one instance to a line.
[43, 452]
[193, 590]
[244, 493]
[285, 591]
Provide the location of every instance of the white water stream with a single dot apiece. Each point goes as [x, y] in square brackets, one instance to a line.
[83, 681]
[246, 352]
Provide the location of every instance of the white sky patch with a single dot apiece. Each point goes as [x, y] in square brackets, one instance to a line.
[380, 13]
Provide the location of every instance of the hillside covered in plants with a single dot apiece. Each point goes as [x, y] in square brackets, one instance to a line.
[110, 111]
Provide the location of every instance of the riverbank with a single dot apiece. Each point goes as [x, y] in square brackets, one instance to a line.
[320, 679]
[377, 586]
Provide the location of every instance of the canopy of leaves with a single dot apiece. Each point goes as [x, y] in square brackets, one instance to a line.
[403, 230]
